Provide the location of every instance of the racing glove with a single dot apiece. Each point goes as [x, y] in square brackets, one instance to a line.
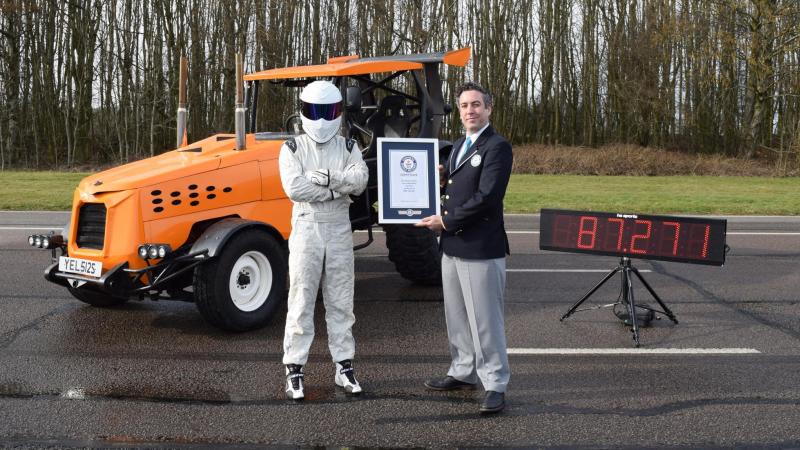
[320, 177]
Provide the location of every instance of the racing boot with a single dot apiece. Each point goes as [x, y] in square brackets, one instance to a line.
[345, 377]
[294, 382]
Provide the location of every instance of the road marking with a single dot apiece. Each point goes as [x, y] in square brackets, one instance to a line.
[507, 232]
[763, 233]
[566, 270]
[524, 270]
[634, 351]
[730, 233]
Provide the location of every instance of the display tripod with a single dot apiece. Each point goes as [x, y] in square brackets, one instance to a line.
[626, 298]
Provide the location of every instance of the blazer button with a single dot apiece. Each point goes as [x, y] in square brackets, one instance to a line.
[449, 181]
[447, 197]
[445, 213]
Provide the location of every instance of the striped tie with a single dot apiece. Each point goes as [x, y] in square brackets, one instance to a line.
[464, 150]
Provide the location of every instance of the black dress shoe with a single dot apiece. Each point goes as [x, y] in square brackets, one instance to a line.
[493, 402]
[448, 383]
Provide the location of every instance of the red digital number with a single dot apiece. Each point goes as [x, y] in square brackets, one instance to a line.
[677, 226]
[561, 234]
[621, 223]
[584, 232]
[698, 240]
[635, 237]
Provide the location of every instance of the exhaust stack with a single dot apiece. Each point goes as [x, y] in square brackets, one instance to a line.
[240, 109]
[182, 112]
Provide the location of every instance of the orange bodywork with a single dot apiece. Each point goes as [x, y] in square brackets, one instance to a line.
[333, 70]
[159, 199]
[353, 65]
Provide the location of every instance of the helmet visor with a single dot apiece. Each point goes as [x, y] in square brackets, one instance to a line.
[316, 111]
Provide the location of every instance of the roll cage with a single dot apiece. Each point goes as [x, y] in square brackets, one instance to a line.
[373, 108]
[358, 79]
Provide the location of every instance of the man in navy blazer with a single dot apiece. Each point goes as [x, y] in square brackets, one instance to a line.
[474, 247]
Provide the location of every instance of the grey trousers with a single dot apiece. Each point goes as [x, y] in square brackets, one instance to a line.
[474, 293]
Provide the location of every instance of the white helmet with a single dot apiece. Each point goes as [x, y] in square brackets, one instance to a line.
[321, 111]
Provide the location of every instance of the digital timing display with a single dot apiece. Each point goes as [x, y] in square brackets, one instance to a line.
[682, 239]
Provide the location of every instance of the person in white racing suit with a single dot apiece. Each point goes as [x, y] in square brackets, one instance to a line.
[319, 170]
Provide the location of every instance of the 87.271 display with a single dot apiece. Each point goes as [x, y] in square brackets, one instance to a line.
[669, 238]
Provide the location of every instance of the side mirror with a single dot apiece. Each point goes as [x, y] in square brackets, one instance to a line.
[352, 101]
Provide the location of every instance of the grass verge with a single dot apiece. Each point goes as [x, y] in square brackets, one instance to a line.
[655, 195]
[526, 193]
[45, 191]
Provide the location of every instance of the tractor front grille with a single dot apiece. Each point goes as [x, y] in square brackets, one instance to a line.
[91, 226]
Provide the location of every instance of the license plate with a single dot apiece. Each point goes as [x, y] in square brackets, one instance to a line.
[80, 266]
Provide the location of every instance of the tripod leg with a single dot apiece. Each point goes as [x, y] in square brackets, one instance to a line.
[655, 296]
[631, 304]
[589, 294]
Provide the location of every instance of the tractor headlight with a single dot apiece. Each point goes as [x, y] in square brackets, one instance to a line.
[153, 251]
[49, 241]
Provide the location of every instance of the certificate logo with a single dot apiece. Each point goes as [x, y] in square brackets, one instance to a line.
[410, 212]
[408, 164]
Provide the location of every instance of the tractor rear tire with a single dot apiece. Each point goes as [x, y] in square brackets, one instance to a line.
[241, 288]
[96, 298]
[415, 253]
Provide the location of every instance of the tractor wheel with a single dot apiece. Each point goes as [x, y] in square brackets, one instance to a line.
[96, 298]
[242, 286]
[415, 253]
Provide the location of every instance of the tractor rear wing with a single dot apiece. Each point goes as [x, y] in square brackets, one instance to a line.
[424, 68]
[354, 65]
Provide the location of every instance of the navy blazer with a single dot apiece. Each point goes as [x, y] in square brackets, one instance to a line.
[472, 201]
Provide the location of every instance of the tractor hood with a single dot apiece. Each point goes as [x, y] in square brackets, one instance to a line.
[198, 157]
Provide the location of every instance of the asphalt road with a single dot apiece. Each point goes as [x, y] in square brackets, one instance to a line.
[153, 374]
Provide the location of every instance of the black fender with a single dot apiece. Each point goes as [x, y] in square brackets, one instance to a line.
[215, 237]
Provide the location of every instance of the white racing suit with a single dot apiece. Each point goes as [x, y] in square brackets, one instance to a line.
[321, 242]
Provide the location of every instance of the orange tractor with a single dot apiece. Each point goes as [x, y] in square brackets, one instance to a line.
[208, 221]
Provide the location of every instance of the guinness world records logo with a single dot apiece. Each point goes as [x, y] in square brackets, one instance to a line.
[408, 164]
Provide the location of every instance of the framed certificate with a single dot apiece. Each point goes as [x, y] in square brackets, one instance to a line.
[408, 179]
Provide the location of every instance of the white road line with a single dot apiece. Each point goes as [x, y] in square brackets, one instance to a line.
[508, 232]
[511, 270]
[762, 233]
[730, 233]
[631, 351]
[567, 270]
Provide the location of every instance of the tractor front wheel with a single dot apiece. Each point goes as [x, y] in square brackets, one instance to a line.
[240, 289]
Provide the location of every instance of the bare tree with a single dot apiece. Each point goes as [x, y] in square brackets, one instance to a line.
[94, 81]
